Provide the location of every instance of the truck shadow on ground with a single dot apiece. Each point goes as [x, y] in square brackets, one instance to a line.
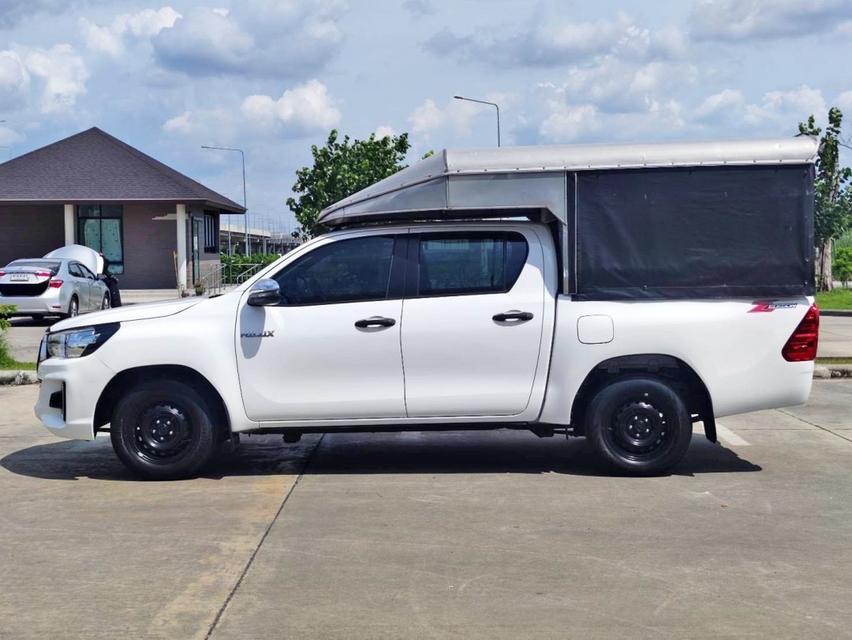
[397, 453]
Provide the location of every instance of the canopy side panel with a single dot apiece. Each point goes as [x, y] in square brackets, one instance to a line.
[705, 232]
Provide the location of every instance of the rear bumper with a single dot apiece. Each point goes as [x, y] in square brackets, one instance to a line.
[47, 303]
[69, 393]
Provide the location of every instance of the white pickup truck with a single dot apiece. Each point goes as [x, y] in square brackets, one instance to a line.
[619, 292]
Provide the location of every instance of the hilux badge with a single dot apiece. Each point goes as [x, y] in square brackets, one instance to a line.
[256, 334]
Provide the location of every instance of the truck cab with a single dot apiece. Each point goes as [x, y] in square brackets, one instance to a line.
[529, 288]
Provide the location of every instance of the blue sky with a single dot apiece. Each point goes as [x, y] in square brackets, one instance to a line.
[273, 76]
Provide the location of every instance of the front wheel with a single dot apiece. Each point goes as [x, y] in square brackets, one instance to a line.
[163, 430]
[639, 425]
[105, 302]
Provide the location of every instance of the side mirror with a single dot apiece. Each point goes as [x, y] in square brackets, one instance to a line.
[264, 293]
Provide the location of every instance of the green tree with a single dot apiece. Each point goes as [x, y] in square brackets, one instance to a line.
[842, 264]
[833, 195]
[340, 169]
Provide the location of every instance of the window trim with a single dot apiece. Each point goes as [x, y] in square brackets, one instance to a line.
[396, 279]
[412, 282]
[211, 233]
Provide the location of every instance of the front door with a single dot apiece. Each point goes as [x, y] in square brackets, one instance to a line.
[473, 321]
[331, 349]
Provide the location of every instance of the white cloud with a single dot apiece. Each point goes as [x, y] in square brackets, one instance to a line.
[719, 105]
[786, 107]
[565, 123]
[144, 24]
[304, 108]
[384, 131]
[844, 102]
[14, 78]
[8, 137]
[613, 84]
[456, 116]
[549, 42]
[267, 37]
[742, 20]
[64, 74]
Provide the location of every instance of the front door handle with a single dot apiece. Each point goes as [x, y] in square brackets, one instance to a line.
[516, 316]
[375, 321]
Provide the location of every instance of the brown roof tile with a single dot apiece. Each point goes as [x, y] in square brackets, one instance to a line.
[93, 166]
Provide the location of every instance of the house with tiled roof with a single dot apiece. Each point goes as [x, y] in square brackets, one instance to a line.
[156, 227]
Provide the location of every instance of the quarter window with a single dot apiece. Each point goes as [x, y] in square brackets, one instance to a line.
[457, 264]
[344, 271]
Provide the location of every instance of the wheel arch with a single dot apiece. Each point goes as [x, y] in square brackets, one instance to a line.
[128, 378]
[683, 377]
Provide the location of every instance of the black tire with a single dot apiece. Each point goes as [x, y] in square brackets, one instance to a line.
[73, 308]
[164, 430]
[639, 425]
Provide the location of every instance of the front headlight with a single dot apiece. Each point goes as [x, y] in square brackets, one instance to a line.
[74, 343]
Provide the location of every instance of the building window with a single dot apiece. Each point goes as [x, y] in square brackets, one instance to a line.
[100, 227]
[211, 233]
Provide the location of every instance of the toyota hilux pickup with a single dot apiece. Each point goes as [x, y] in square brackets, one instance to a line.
[617, 292]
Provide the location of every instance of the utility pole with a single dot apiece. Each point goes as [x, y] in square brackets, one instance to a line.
[245, 206]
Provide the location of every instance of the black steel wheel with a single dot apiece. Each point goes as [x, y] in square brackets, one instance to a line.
[164, 430]
[639, 425]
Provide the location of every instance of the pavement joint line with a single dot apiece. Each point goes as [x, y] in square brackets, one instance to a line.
[814, 424]
[260, 542]
[729, 437]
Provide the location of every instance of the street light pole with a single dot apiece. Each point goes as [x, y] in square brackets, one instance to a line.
[243, 157]
[493, 104]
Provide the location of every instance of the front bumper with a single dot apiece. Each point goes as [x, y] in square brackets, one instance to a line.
[69, 393]
[47, 303]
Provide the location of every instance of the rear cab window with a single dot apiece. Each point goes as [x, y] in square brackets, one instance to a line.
[468, 263]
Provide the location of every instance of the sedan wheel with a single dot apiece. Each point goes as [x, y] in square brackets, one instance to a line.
[105, 303]
[73, 308]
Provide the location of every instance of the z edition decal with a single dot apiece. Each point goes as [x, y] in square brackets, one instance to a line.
[769, 306]
[255, 334]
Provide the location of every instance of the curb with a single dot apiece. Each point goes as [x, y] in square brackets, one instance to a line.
[833, 371]
[12, 377]
[847, 313]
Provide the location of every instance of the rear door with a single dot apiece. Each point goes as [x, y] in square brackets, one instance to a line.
[472, 322]
[92, 288]
[80, 285]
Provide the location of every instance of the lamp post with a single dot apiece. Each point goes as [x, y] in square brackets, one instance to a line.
[243, 156]
[493, 104]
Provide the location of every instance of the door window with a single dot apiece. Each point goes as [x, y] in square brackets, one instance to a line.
[471, 263]
[85, 271]
[346, 271]
[74, 270]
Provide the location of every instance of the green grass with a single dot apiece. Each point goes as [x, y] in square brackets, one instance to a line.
[7, 362]
[837, 299]
[834, 360]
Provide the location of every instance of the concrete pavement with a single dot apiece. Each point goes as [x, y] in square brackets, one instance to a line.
[460, 535]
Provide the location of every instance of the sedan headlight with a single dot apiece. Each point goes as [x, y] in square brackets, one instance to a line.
[74, 343]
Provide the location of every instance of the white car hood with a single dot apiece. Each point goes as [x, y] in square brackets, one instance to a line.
[128, 313]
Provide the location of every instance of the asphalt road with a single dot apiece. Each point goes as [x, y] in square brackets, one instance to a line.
[455, 535]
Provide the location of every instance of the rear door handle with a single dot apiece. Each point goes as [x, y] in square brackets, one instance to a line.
[375, 321]
[516, 316]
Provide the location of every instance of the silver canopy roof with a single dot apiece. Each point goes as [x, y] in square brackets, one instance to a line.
[527, 179]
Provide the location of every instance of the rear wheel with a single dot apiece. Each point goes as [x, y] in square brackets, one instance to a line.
[639, 425]
[163, 430]
[73, 308]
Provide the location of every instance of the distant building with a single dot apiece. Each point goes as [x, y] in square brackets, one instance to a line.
[155, 226]
[260, 240]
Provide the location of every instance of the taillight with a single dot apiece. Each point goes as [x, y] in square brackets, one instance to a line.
[802, 345]
[2, 273]
[55, 284]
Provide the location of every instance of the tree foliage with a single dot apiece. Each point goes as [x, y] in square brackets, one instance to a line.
[833, 195]
[340, 169]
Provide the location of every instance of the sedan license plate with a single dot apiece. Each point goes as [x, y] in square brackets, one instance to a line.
[19, 277]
